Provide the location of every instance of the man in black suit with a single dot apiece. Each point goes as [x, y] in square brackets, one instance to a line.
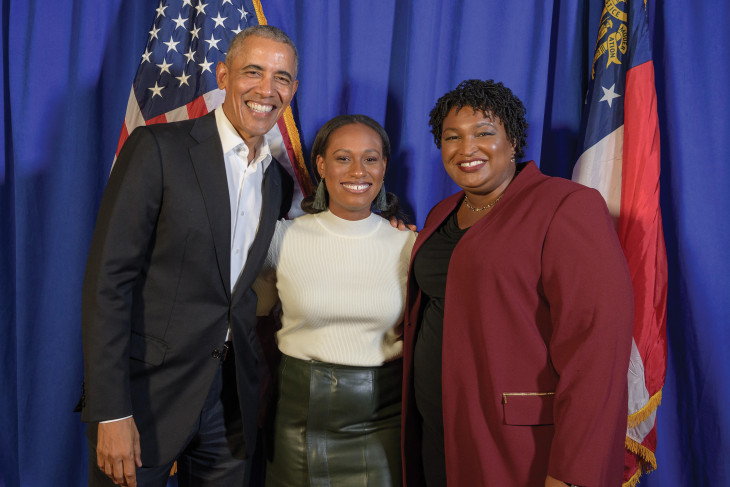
[184, 224]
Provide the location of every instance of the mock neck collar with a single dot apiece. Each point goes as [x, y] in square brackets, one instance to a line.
[348, 228]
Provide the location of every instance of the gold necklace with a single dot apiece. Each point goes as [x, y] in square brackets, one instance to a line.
[466, 202]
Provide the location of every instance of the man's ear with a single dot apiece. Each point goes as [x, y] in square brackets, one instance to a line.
[295, 85]
[221, 75]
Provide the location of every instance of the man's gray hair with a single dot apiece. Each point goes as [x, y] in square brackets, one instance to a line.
[267, 32]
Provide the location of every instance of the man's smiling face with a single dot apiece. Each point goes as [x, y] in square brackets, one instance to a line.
[260, 83]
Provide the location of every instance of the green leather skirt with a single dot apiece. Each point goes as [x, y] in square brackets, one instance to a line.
[336, 425]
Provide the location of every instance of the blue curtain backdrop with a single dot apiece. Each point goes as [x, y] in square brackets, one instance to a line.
[67, 67]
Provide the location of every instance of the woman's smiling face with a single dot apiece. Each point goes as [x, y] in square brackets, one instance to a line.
[476, 152]
[353, 168]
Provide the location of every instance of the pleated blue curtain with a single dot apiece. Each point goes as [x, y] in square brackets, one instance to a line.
[66, 74]
[692, 70]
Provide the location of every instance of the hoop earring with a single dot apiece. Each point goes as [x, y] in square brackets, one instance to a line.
[320, 197]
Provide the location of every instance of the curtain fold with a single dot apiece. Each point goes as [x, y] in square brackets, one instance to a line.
[693, 103]
[67, 68]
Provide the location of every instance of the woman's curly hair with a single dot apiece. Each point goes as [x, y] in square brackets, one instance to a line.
[493, 99]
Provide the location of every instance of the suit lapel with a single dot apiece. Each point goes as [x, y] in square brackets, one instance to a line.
[270, 208]
[210, 170]
[434, 220]
[413, 295]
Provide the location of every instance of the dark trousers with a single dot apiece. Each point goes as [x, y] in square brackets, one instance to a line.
[214, 453]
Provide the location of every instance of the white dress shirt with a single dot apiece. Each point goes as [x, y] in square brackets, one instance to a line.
[244, 190]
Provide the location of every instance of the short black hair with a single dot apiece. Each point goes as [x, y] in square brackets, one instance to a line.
[493, 99]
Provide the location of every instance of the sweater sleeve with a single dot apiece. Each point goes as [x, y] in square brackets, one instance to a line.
[588, 287]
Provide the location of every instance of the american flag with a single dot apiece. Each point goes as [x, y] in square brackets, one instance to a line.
[620, 158]
[176, 75]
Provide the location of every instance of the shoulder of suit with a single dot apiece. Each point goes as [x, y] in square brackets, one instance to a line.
[535, 181]
[546, 195]
[169, 129]
[561, 186]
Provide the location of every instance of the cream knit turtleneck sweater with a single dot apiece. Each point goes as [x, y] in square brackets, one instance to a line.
[342, 287]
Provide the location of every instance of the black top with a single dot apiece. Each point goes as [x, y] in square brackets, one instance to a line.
[429, 269]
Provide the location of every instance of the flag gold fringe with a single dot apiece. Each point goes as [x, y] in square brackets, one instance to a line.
[296, 144]
[645, 455]
[173, 470]
[259, 12]
[633, 480]
[643, 413]
[647, 461]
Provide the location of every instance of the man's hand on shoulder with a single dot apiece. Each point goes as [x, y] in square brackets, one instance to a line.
[118, 451]
[400, 225]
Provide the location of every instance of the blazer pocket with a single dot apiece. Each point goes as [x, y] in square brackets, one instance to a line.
[149, 350]
[528, 408]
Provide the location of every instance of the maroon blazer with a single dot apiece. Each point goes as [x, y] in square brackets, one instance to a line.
[538, 321]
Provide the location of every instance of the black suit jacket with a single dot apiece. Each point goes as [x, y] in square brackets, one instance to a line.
[156, 296]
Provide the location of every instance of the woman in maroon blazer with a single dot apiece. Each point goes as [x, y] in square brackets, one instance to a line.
[519, 321]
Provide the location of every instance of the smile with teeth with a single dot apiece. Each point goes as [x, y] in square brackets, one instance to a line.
[259, 108]
[472, 163]
[356, 188]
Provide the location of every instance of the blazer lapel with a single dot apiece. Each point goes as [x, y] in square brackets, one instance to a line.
[413, 296]
[434, 220]
[270, 208]
[210, 170]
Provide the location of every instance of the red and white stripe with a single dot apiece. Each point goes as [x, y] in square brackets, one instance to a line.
[624, 166]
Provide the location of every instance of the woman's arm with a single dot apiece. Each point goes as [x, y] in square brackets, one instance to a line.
[588, 287]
